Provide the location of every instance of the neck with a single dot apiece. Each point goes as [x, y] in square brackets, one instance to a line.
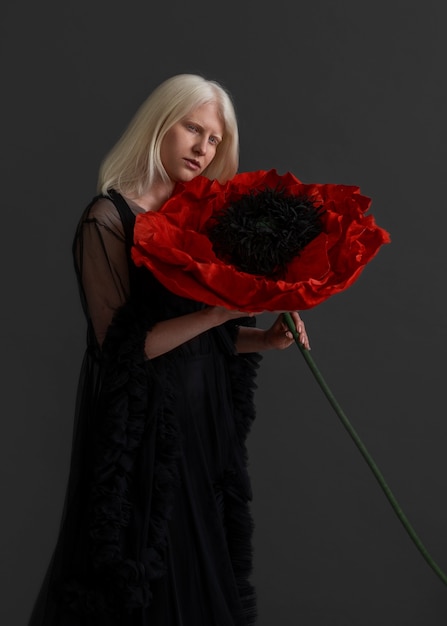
[154, 198]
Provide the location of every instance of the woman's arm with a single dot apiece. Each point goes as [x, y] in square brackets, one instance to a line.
[170, 334]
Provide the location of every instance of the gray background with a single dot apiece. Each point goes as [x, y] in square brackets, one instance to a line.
[346, 92]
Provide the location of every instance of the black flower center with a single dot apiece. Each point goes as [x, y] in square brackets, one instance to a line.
[263, 231]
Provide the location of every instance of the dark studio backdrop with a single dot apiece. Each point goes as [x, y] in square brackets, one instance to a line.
[345, 92]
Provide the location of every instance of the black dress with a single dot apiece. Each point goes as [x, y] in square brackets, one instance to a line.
[156, 528]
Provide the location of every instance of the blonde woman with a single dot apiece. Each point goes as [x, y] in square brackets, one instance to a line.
[156, 527]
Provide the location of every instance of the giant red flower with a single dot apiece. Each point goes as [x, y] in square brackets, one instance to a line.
[173, 243]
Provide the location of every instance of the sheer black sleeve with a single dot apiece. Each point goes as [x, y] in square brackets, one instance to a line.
[101, 265]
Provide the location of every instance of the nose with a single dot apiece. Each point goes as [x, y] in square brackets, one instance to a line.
[201, 146]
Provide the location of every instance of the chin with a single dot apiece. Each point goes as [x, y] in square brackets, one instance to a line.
[187, 176]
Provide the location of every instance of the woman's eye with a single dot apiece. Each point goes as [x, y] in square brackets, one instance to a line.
[192, 127]
[214, 140]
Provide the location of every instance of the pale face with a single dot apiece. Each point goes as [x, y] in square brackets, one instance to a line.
[190, 145]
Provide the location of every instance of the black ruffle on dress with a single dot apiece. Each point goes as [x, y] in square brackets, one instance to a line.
[156, 528]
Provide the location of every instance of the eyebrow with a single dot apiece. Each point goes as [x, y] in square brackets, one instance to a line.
[191, 120]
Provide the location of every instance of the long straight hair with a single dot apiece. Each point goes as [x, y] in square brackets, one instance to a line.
[134, 162]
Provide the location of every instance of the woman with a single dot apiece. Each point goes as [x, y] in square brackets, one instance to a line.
[156, 526]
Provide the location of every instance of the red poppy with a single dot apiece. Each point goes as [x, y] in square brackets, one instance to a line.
[173, 244]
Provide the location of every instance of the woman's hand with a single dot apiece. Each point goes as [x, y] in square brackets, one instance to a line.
[280, 337]
[277, 337]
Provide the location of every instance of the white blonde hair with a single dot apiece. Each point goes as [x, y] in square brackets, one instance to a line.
[134, 162]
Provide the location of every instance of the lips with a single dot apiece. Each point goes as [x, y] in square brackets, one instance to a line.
[192, 163]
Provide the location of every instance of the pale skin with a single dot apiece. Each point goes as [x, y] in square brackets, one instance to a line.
[187, 149]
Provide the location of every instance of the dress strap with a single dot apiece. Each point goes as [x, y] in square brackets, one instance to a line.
[126, 215]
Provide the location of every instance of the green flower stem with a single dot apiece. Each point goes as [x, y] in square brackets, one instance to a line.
[375, 470]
